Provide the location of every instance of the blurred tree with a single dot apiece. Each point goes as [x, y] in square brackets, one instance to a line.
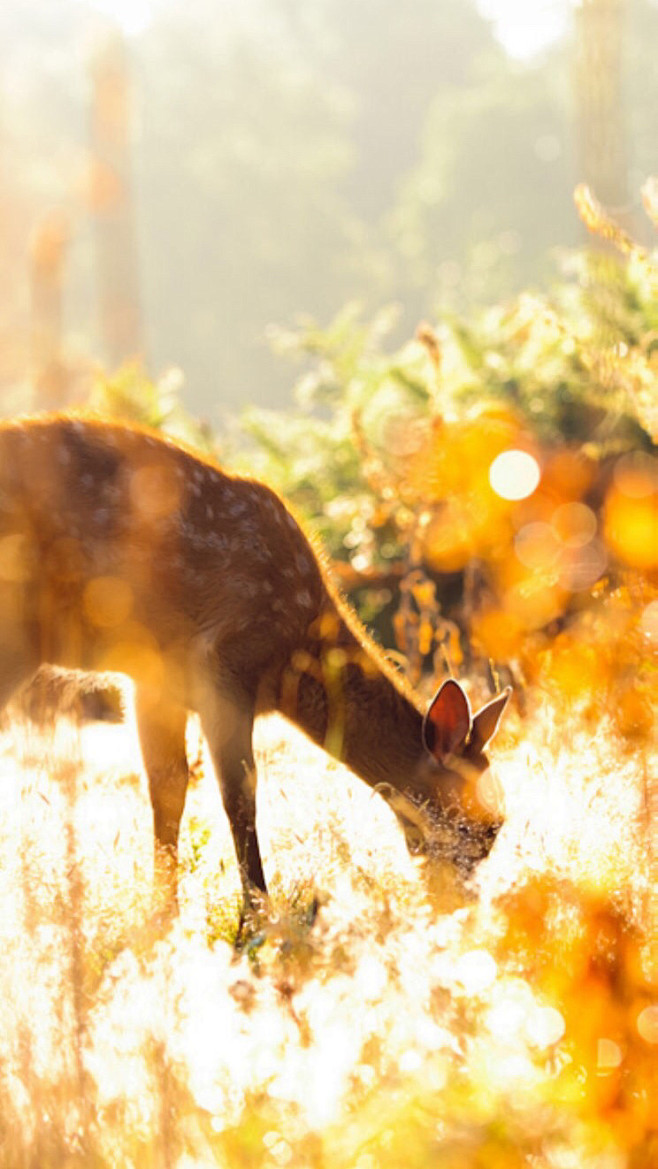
[393, 60]
[641, 88]
[602, 141]
[492, 193]
[306, 117]
[47, 268]
[111, 202]
[243, 159]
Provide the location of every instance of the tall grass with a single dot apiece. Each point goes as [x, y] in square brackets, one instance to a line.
[403, 1023]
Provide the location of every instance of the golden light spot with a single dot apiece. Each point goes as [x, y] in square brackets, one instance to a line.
[450, 538]
[647, 1024]
[537, 546]
[568, 474]
[514, 474]
[608, 1056]
[107, 601]
[636, 475]
[576, 667]
[631, 527]
[574, 524]
[15, 559]
[535, 600]
[513, 1004]
[545, 1027]
[135, 652]
[649, 621]
[476, 970]
[499, 633]
[635, 715]
[155, 491]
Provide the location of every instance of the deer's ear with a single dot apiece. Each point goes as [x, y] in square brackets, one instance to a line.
[448, 721]
[485, 722]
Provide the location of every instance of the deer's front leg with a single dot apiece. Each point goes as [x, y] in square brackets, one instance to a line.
[228, 726]
[161, 726]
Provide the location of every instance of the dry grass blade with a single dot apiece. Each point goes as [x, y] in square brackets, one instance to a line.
[597, 220]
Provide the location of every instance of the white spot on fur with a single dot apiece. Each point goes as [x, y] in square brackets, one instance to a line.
[303, 563]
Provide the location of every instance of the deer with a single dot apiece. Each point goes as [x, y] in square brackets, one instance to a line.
[123, 550]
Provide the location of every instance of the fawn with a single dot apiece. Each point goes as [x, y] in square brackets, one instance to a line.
[122, 550]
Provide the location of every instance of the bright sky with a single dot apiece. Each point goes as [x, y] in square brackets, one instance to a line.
[133, 15]
[524, 26]
[527, 26]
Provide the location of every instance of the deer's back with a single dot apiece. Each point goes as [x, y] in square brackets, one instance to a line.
[109, 530]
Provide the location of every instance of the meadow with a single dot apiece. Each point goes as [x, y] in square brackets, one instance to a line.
[379, 1015]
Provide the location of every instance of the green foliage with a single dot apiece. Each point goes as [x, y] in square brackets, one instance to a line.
[571, 366]
[131, 395]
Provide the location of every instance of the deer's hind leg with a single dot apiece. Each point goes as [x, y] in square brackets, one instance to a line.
[17, 666]
[161, 726]
[227, 723]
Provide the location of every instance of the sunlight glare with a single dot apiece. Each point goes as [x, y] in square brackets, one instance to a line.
[476, 970]
[647, 1024]
[649, 621]
[544, 1027]
[514, 474]
[133, 16]
[608, 1056]
[526, 29]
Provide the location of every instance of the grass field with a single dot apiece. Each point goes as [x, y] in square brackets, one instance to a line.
[403, 1024]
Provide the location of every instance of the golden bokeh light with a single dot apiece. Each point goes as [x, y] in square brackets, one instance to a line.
[647, 1024]
[608, 1055]
[514, 474]
[155, 491]
[631, 524]
[636, 475]
[499, 633]
[537, 546]
[132, 649]
[451, 536]
[574, 523]
[107, 601]
[545, 1027]
[649, 622]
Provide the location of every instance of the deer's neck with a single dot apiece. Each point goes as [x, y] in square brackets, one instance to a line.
[343, 693]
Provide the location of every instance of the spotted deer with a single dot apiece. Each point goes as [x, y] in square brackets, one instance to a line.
[122, 550]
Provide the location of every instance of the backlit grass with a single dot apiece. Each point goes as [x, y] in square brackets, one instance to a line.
[375, 1017]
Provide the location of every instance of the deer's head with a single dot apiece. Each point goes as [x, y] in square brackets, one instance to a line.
[453, 805]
